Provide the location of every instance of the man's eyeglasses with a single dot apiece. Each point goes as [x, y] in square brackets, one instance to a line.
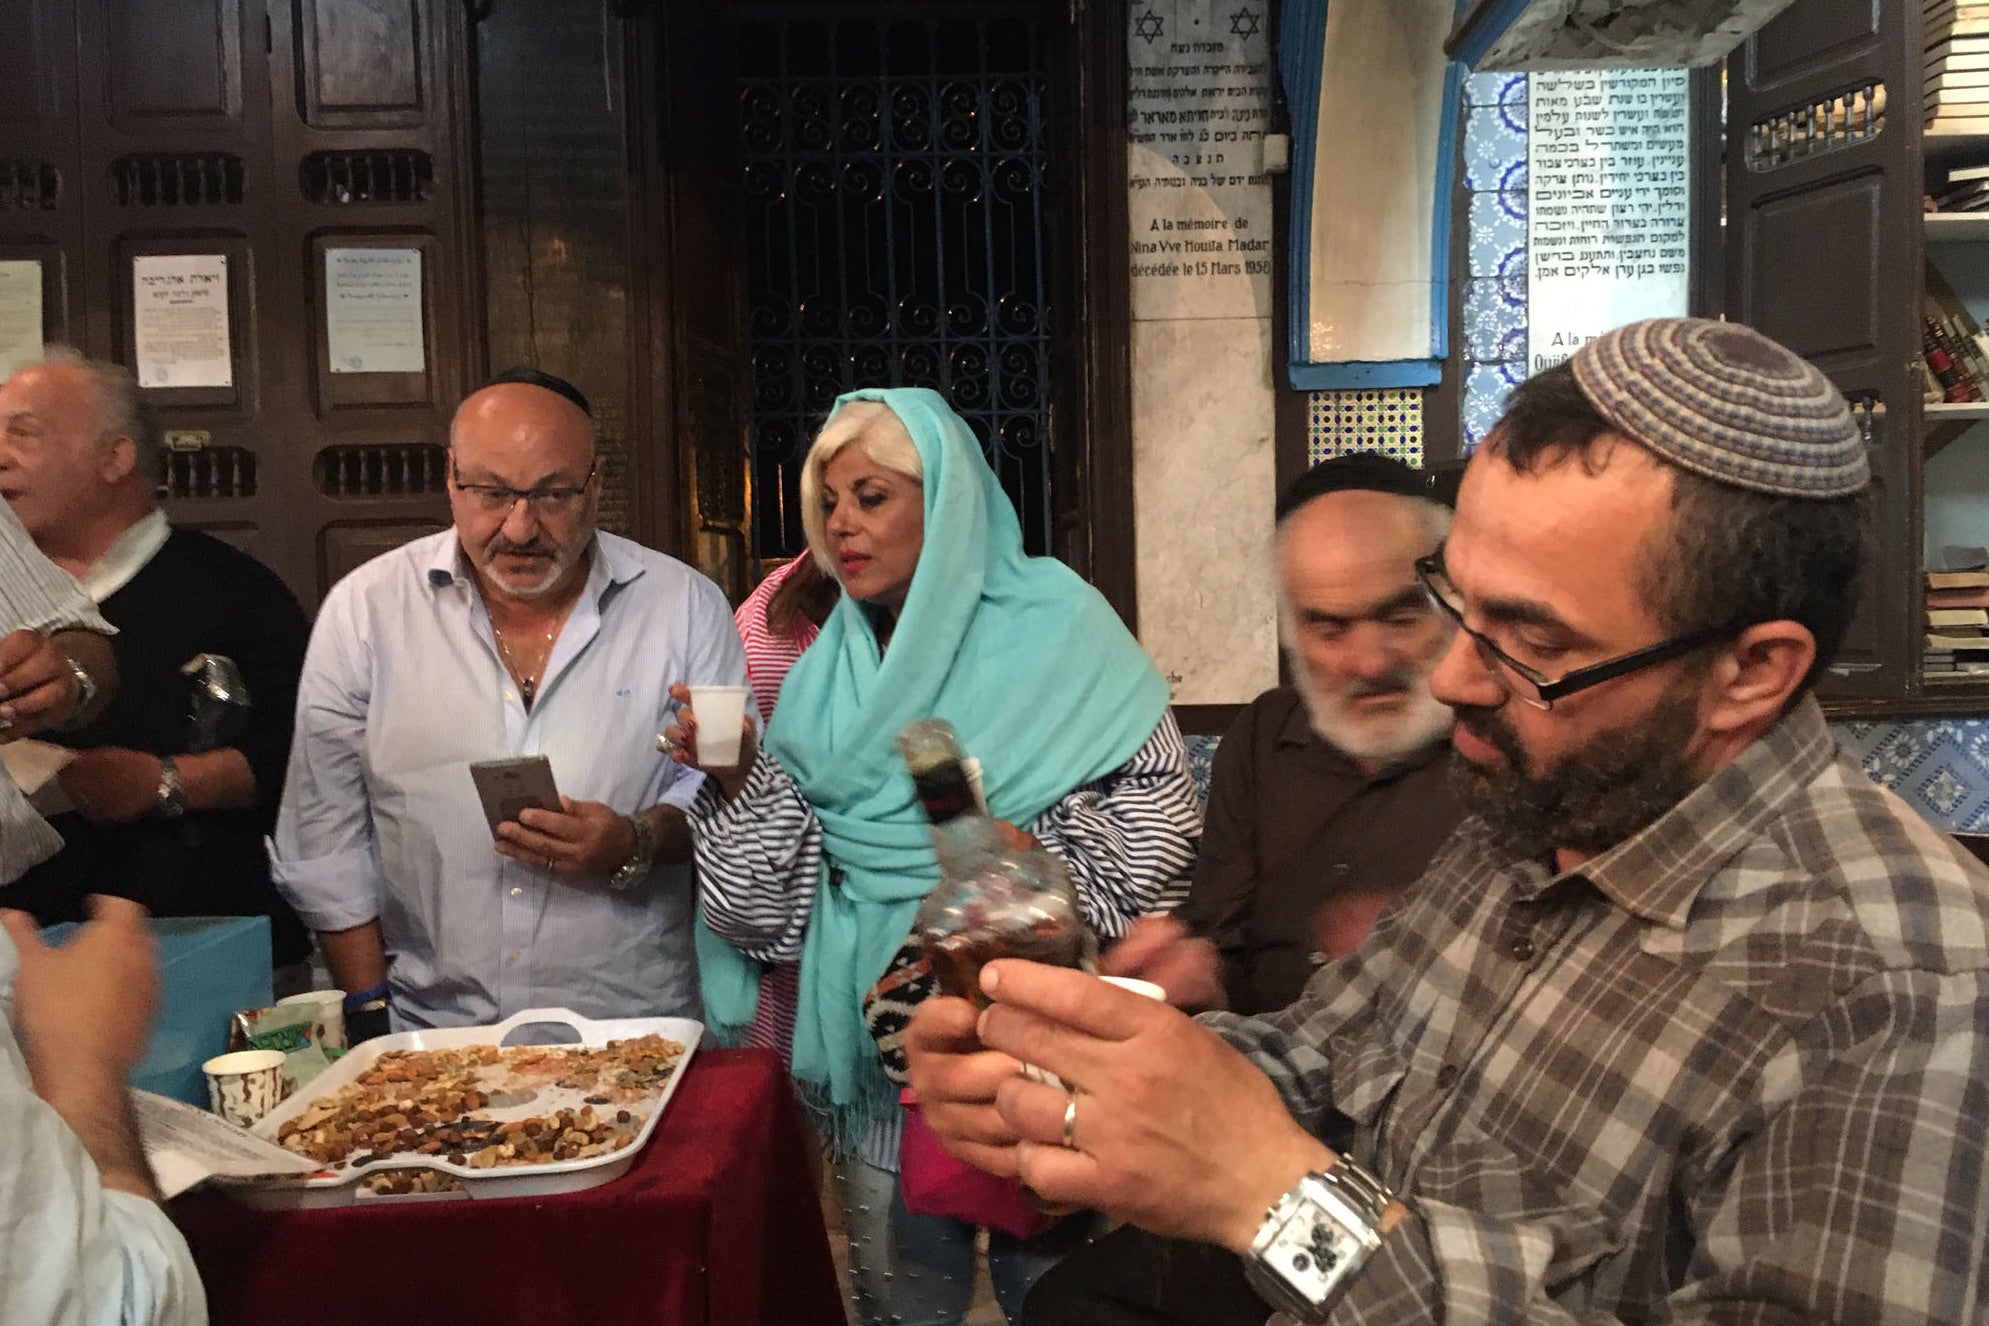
[1531, 685]
[553, 500]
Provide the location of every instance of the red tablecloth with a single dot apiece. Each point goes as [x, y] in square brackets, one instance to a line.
[718, 1223]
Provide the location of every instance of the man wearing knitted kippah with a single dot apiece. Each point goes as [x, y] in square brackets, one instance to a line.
[1690, 1020]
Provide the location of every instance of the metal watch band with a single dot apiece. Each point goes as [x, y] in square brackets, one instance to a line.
[1359, 1188]
[172, 790]
[636, 869]
[1345, 1197]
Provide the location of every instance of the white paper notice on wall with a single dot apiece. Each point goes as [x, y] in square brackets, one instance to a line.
[1608, 204]
[373, 311]
[179, 320]
[20, 314]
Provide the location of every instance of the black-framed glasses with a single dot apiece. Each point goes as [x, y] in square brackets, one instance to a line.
[1531, 685]
[546, 500]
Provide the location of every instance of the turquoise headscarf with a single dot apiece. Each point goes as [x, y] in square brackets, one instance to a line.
[1045, 686]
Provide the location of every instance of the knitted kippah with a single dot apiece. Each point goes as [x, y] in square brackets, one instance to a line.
[1724, 401]
[1368, 471]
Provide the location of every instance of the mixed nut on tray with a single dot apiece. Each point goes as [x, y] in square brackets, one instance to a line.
[433, 1103]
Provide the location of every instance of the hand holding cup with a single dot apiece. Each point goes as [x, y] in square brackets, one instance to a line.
[726, 762]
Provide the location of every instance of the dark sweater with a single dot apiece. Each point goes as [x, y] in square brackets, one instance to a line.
[197, 595]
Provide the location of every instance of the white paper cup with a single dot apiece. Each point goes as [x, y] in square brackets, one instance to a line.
[1147, 988]
[245, 1085]
[328, 1025]
[720, 710]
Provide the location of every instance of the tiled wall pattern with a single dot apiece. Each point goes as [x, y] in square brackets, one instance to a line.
[1493, 337]
[1940, 767]
[1390, 422]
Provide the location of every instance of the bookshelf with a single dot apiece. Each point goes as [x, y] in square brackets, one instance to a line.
[1959, 227]
[1828, 160]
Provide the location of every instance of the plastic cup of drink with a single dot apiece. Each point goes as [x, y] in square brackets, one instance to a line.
[720, 711]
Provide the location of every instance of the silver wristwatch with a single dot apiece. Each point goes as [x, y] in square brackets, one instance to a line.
[636, 869]
[171, 802]
[1316, 1240]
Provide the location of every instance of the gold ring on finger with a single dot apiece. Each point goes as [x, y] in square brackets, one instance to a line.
[1070, 1121]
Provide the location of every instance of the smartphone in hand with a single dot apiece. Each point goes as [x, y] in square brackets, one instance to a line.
[508, 786]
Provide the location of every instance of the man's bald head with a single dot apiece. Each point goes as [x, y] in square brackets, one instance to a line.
[518, 421]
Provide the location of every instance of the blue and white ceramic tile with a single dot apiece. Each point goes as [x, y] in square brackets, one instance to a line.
[1940, 767]
[1494, 332]
[1201, 764]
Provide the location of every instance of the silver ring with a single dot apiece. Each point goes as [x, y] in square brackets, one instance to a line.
[1070, 1122]
[667, 746]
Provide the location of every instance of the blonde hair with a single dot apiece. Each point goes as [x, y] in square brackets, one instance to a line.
[876, 428]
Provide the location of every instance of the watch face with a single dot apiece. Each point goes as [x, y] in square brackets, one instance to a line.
[1313, 1254]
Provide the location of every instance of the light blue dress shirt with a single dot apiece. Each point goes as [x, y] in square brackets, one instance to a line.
[402, 690]
[73, 1252]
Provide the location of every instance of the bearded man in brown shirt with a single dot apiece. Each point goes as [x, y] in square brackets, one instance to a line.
[1330, 795]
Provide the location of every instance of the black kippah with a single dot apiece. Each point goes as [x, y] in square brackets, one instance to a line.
[532, 377]
[1367, 471]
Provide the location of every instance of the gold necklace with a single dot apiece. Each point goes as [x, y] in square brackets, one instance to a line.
[528, 682]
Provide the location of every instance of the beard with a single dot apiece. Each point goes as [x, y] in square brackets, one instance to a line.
[1616, 785]
[558, 562]
[1385, 739]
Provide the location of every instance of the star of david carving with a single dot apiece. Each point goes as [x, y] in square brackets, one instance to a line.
[1243, 23]
[1149, 26]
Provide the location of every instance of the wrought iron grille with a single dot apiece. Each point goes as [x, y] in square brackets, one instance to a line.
[168, 179]
[897, 232]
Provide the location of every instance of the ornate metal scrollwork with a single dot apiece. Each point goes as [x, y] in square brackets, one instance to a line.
[898, 235]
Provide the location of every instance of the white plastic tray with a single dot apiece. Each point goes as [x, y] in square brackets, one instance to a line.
[342, 1188]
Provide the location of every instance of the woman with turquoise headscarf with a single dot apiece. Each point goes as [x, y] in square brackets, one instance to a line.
[815, 847]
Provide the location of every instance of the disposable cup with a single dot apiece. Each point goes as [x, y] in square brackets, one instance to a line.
[328, 1023]
[1147, 988]
[720, 710]
[245, 1085]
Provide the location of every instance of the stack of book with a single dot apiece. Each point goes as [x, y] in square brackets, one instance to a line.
[1958, 613]
[1954, 352]
[1957, 67]
[1967, 189]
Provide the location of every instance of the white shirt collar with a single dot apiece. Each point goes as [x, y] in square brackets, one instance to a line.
[127, 557]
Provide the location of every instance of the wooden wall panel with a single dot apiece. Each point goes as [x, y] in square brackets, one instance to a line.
[177, 63]
[30, 70]
[361, 63]
[267, 130]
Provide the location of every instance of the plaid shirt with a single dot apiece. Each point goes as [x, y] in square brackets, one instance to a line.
[1736, 1069]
